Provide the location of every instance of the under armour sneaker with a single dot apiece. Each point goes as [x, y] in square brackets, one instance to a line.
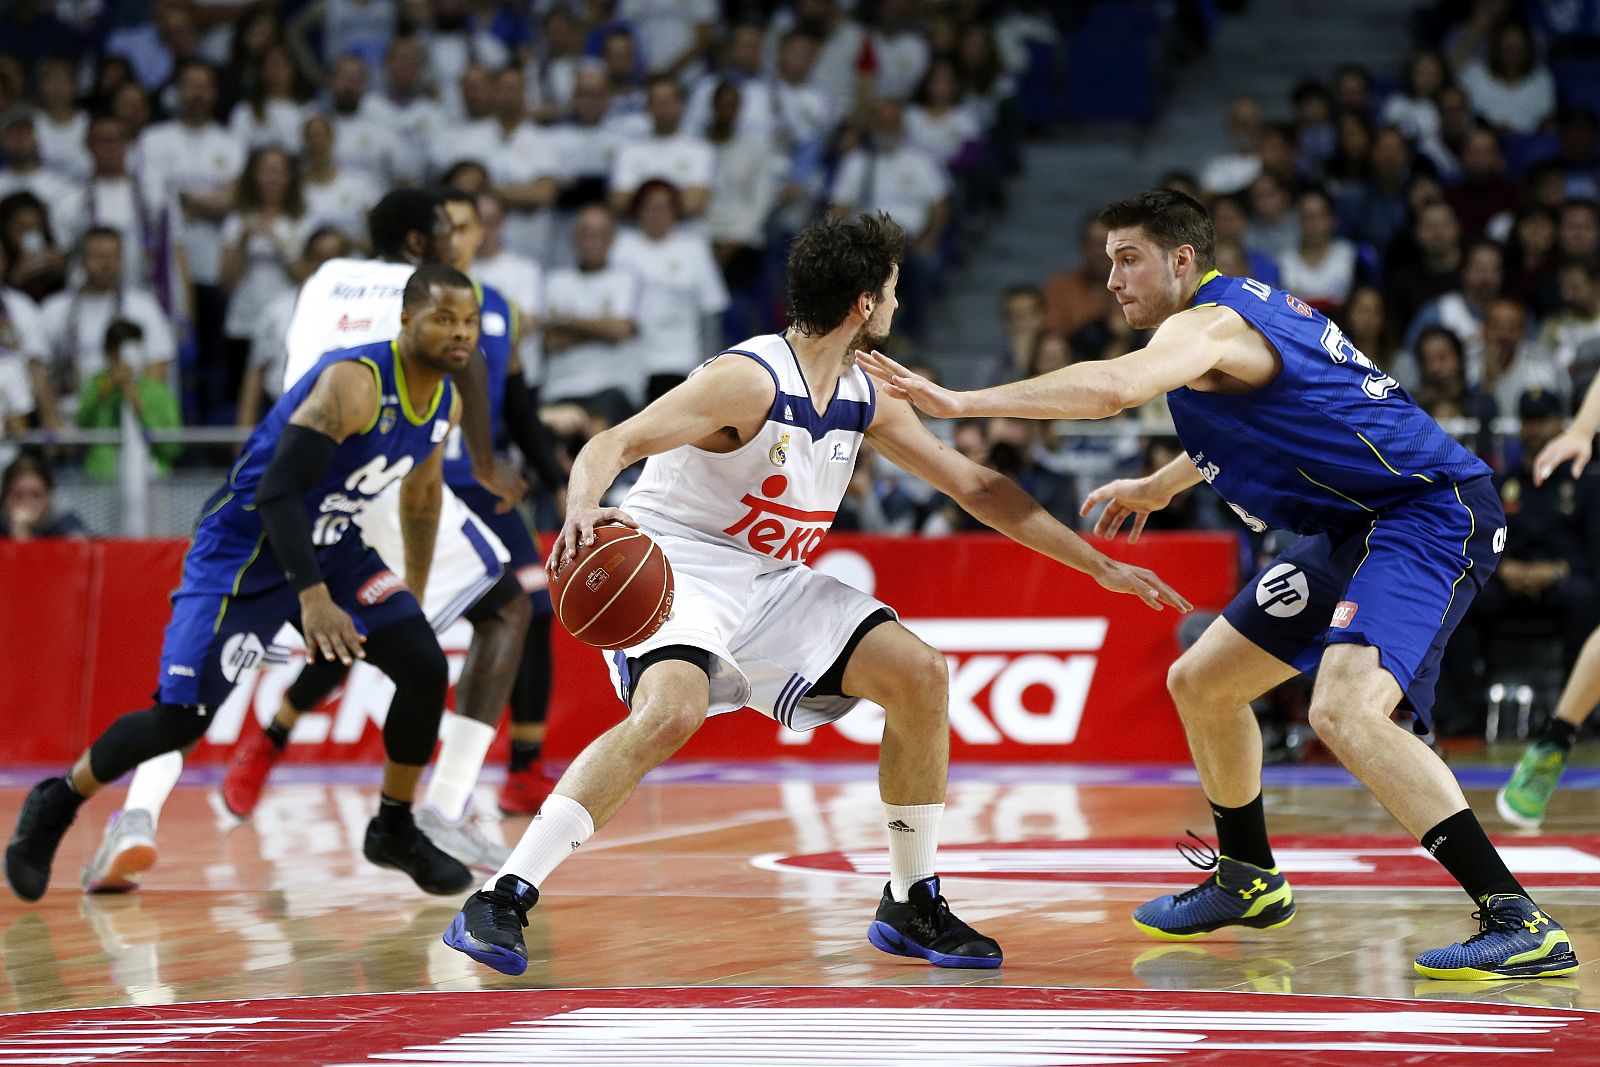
[464, 839]
[489, 926]
[410, 851]
[126, 852]
[46, 813]
[1514, 940]
[1236, 894]
[253, 759]
[924, 928]
[525, 791]
[1522, 800]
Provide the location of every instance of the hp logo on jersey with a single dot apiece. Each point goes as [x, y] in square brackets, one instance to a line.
[1281, 592]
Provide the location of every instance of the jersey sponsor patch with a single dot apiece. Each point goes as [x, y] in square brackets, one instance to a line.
[379, 587]
[1344, 613]
[240, 653]
[1281, 592]
[1300, 306]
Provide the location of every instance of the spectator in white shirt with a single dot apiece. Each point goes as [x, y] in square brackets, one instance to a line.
[591, 326]
[474, 95]
[939, 123]
[909, 186]
[405, 107]
[743, 194]
[360, 141]
[25, 384]
[335, 196]
[552, 70]
[591, 142]
[1512, 90]
[619, 52]
[270, 116]
[75, 320]
[454, 41]
[269, 341]
[805, 121]
[262, 240]
[1232, 172]
[38, 264]
[902, 49]
[1321, 268]
[524, 161]
[840, 40]
[1462, 310]
[349, 27]
[24, 170]
[668, 153]
[520, 280]
[673, 34]
[683, 290]
[743, 67]
[1578, 320]
[61, 124]
[1413, 109]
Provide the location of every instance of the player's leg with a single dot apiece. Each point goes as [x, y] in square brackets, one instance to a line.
[527, 784]
[670, 691]
[259, 751]
[1522, 800]
[128, 847]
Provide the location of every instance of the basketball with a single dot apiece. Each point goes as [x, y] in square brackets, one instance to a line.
[616, 592]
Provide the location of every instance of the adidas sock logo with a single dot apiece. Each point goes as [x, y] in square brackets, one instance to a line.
[899, 825]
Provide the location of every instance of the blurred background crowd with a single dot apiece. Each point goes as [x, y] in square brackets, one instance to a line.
[171, 169]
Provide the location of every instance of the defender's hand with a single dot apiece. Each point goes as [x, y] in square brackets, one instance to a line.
[900, 383]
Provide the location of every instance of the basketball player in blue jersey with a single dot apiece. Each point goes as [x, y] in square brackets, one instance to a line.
[1399, 527]
[773, 428]
[277, 544]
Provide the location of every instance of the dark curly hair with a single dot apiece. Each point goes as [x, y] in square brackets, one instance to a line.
[834, 261]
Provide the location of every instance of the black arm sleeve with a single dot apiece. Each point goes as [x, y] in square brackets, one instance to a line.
[530, 433]
[303, 455]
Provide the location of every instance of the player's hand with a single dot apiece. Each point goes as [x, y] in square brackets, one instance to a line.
[901, 384]
[504, 482]
[329, 631]
[1145, 584]
[577, 533]
[1569, 445]
[1124, 498]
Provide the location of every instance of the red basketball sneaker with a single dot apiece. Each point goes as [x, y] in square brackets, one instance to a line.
[525, 790]
[252, 761]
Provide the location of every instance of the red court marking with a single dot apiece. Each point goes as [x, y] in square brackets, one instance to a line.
[1341, 861]
[799, 1026]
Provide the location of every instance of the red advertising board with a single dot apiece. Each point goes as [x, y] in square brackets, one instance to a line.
[1044, 664]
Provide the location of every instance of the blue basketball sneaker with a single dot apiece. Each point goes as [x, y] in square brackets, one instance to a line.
[1514, 940]
[489, 925]
[923, 928]
[1236, 894]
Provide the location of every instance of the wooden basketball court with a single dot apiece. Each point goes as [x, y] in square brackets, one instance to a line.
[721, 919]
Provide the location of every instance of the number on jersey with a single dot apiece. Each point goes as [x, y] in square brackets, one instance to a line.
[1377, 384]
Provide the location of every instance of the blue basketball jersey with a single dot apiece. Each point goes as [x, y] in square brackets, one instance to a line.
[230, 554]
[496, 338]
[1332, 441]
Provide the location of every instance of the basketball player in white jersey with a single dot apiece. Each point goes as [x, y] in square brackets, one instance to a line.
[749, 460]
[349, 302]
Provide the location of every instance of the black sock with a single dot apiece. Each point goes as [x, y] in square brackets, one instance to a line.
[524, 754]
[277, 733]
[393, 815]
[1242, 833]
[1461, 845]
[1560, 733]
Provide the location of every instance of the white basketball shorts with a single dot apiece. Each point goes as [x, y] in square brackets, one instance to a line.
[467, 557]
[771, 633]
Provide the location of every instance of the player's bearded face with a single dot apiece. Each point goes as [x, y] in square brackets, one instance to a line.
[447, 332]
[1143, 278]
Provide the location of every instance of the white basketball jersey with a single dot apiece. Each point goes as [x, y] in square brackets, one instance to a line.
[776, 495]
[347, 302]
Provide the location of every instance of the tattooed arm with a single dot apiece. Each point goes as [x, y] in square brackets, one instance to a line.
[420, 496]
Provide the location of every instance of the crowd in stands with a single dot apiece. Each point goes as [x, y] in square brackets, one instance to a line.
[170, 171]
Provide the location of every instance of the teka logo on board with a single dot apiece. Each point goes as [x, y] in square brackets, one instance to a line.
[811, 1026]
[1335, 861]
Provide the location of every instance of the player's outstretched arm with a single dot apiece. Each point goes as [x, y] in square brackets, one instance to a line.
[1182, 350]
[344, 401]
[1136, 498]
[729, 393]
[1000, 503]
[421, 494]
[1575, 443]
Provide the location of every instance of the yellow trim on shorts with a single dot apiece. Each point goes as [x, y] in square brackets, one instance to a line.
[1470, 531]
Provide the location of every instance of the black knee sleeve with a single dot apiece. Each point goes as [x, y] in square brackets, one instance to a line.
[530, 696]
[315, 681]
[142, 735]
[409, 653]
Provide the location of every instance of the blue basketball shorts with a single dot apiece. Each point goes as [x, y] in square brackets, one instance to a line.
[526, 561]
[213, 638]
[1401, 585]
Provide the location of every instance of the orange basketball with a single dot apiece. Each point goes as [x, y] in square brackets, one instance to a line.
[616, 592]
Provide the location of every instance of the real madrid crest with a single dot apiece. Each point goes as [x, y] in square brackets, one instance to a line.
[386, 420]
[779, 453]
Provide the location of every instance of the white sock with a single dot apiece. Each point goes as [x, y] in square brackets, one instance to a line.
[152, 783]
[465, 744]
[913, 840]
[555, 833]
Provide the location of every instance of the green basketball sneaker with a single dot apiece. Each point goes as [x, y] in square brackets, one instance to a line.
[1522, 800]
